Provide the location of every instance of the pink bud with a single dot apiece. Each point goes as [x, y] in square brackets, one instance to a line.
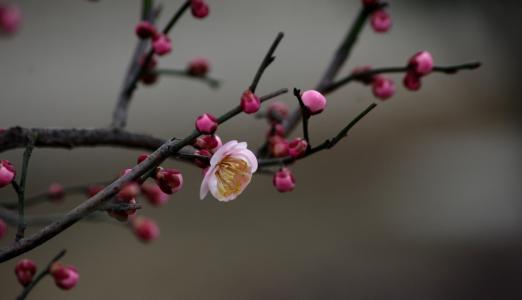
[93, 190]
[199, 9]
[362, 70]
[170, 181]
[129, 191]
[142, 157]
[277, 111]
[3, 228]
[421, 63]
[145, 30]
[314, 101]
[10, 18]
[25, 270]
[250, 103]
[203, 163]
[55, 192]
[412, 81]
[206, 123]
[284, 180]
[297, 147]
[154, 194]
[7, 173]
[370, 3]
[276, 130]
[65, 277]
[145, 229]
[381, 21]
[198, 67]
[149, 78]
[162, 45]
[383, 88]
[208, 142]
[279, 147]
[151, 63]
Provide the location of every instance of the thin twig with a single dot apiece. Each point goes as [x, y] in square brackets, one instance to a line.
[44, 197]
[11, 218]
[305, 117]
[328, 144]
[120, 113]
[333, 68]
[41, 275]
[147, 14]
[368, 74]
[20, 187]
[267, 60]
[345, 49]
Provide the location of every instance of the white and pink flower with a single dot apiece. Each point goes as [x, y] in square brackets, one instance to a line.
[230, 171]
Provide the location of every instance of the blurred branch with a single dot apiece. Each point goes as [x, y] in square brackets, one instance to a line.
[20, 187]
[44, 197]
[45, 219]
[333, 68]
[119, 118]
[41, 275]
[368, 74]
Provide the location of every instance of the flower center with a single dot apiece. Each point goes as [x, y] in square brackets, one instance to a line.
[232, 174]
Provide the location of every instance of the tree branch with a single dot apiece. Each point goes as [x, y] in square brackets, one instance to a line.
[41, 275]
[20, 187]
[89, 206]
[333, 68]
[119, 118]
[147, 14]
[69, 138]
[328, 144]
[305, 117]
[368, 74]
[267, 60]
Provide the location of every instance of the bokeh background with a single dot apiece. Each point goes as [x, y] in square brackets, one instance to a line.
[421, 201]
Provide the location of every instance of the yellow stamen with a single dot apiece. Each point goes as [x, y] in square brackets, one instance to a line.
[232, 174]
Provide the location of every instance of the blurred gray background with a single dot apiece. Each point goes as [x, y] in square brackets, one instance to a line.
[421, 201]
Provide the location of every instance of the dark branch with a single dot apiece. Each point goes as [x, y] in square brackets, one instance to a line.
[305, 117]
[119, 115]
[20, 187]
[119, 118]
[337, 62]
[89, 206]
[345, 49]
[368, 74]
[269, 58]
[41, 275]
[69, 138]
[328, 144]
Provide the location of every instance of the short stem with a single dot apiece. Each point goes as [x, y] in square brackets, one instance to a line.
[305, 116]
[40, 276]
[20, 188]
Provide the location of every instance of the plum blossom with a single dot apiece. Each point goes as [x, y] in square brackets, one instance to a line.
[230, 171]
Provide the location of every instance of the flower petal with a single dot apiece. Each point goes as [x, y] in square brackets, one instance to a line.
[222, 152]
[249, 157]
[203, 190]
